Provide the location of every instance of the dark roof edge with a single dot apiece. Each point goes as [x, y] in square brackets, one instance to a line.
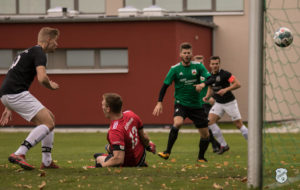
[65, 19]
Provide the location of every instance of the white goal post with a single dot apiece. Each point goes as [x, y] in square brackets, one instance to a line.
[255, 103]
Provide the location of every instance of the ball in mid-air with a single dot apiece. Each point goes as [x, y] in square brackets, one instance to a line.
[283, 37]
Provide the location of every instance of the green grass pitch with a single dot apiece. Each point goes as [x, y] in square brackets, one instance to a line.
[73, 151]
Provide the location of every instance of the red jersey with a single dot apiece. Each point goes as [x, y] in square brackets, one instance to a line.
[124, 133]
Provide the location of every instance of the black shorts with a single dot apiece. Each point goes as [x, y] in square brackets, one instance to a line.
[197, 115]
[207, 108]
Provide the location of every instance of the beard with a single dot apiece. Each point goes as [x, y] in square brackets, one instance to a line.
[186, 60]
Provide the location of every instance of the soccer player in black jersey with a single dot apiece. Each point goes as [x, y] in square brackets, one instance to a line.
[16, 97]
[224, 83]
[207, 106]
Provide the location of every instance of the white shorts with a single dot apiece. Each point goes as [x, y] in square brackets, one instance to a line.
[24, 103]
[231, 108]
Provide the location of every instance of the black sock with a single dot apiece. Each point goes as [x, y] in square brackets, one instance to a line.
[172, 138]
[214, 142]
[203, 147]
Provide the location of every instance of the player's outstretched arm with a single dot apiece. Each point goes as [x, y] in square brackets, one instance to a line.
[44, 79]
[6, 116]
[149, 145]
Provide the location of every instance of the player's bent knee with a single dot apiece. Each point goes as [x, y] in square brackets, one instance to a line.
[49, 122]
[238, 123]
[213, 118]
[204, 133]
[52, 116]
[101, 159]
[178, 125]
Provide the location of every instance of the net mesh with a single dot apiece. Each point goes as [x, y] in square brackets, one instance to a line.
[281, 130]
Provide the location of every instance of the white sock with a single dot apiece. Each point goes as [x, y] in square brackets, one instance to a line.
[244, 131]
[47, 145]
[215, 129]
[34, 137]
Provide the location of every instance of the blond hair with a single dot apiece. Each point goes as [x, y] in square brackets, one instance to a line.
[46, 32]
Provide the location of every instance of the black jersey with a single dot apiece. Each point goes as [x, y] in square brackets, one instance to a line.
[222, 81]
[22, 72]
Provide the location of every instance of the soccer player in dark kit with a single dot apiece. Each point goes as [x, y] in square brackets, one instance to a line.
[221, 90]
[186, 77]
[16, 97]
[126, 137]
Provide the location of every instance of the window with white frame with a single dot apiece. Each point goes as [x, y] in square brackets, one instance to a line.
[98, 6]
[191, 5]
[80, 58]
[114, 58]
[76, 60]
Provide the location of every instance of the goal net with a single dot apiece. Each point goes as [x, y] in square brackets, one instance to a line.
[281, 130]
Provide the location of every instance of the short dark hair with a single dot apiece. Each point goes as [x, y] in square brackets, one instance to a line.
[113, 101]
[185, 45]
[215, 57]
[198, 57]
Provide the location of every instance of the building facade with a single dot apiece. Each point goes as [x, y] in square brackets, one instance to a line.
[99, 51]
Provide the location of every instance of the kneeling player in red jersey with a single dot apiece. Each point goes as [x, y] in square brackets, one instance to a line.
[127, 141]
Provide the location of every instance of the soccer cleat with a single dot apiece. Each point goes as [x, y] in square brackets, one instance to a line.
[164, 155]
[51, 166]
[216, 149]
[20, 160]
[223, 149]
[202, 160]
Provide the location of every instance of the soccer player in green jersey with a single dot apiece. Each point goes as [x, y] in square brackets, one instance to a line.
[186, 77]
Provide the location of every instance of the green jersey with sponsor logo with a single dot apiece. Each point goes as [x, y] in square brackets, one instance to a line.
[185, 77]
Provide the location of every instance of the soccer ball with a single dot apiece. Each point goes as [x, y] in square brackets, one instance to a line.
[283, 37]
